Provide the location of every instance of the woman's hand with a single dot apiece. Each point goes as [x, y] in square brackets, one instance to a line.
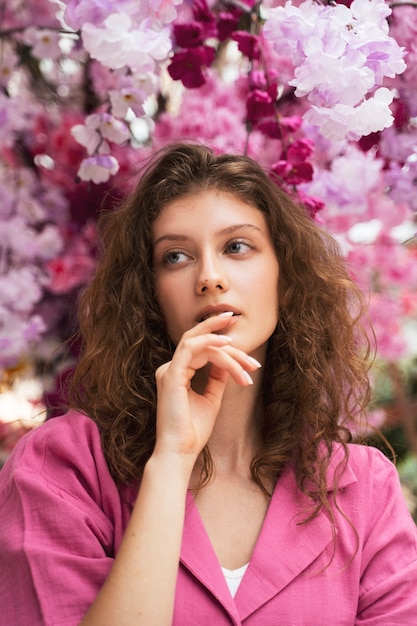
[185, 418]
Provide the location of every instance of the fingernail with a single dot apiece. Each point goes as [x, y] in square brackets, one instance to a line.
[226, 314]
[247, 377]
[226, 338]
[254, 361]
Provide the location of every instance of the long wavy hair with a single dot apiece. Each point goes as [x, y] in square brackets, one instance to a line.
[316, 373]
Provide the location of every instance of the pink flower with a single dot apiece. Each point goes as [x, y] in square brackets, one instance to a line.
[186, 65]
[69, 271]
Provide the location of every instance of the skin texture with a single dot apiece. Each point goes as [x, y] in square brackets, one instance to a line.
[229, 265]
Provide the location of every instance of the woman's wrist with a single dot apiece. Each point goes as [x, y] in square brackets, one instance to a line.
[170, 466]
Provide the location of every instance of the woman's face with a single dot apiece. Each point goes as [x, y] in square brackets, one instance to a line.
[214, 253]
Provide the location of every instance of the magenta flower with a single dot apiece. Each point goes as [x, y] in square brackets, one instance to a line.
[206, 18]
[295, 169]
[248, 44]
[300, 150]
[227, 23]
[188, 35]
[312, 203]
[293, 174]
[186, 65]
[277, 128]
[260, 104]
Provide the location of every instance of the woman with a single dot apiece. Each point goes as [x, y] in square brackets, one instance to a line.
[204, 473]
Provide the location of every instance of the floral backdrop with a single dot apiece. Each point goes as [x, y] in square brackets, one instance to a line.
[323, 94]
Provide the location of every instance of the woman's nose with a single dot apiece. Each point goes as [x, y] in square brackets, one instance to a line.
[211, 277]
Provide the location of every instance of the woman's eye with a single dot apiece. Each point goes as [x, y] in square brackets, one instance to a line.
[237, 247]
[174, 257]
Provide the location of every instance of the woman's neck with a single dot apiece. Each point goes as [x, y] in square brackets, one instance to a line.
[236, 435]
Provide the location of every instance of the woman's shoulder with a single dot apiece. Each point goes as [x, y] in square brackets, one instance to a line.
[70, 431]
[359, 464]
[64, 446]
[360, 454]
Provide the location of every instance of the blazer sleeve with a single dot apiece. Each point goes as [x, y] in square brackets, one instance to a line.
[388, 589]
[58, 508]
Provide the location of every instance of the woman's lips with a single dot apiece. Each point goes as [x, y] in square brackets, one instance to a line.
[205, 314]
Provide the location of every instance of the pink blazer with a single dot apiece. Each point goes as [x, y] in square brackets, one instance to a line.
[62, 519]
[289, 581]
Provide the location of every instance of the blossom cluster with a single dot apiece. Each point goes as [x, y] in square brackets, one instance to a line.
[341, 56]
[323, 95]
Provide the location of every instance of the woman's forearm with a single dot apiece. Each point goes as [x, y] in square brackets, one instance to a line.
[140, 587]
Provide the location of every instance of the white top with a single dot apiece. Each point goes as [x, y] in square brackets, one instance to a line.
[234, 577]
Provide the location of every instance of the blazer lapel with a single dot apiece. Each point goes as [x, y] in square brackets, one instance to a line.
[198, 556]
[284, 548]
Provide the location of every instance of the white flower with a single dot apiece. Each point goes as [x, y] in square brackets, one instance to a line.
[123, 43]
[98, 169]
[133, 91]
[44, 42]
[331, 80]
[49, 243]
[341, 56]
[97, 128]
[87, 136]
[20, 289]
[8, 63]
[372, 115]
[113, 129]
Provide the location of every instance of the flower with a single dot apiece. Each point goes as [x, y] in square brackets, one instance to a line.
[186, 65]
[98, 169]
[295, 169]
[44, 42]
[260, 103]
[99, 127]
[8, 64]
[248, 44]
[188, 35]
[120, 42]
[341, 56]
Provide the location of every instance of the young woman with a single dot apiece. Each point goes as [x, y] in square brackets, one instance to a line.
[204, 473]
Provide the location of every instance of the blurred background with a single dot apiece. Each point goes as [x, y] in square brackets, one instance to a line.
[323, 95]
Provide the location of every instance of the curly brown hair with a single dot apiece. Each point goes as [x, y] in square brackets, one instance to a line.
[316, 372]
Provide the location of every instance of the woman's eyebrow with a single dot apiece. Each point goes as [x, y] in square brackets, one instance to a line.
[225, 231]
